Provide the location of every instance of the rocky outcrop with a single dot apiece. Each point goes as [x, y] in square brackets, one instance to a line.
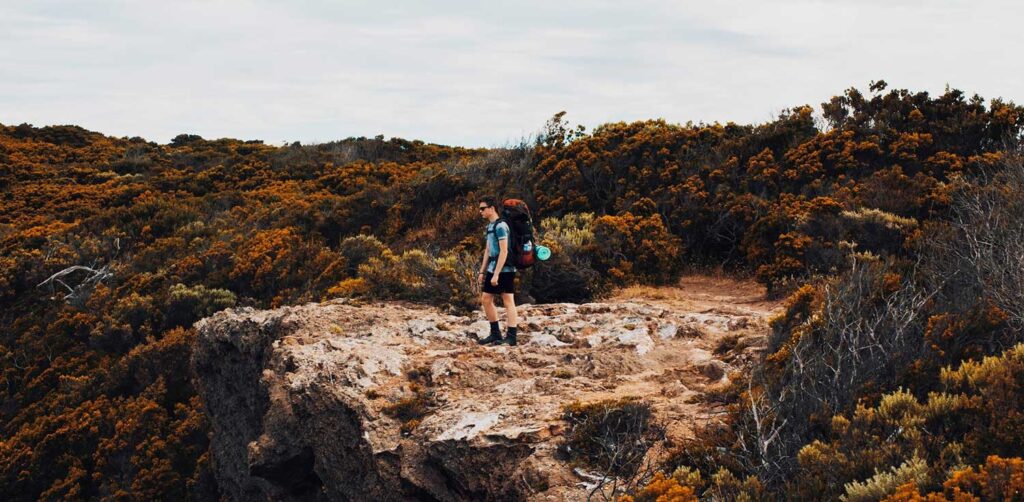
[391, 401]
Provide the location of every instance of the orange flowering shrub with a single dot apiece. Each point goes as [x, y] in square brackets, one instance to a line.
[632, 248]
[99, 405]
[183, 229]
[270, 265]
[731, 192]
[997, 479]
[662, 489]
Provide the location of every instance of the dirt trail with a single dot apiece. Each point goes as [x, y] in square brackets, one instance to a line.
[706, 292]
[731, 316]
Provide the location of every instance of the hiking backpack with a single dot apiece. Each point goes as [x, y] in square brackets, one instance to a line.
[521, 249]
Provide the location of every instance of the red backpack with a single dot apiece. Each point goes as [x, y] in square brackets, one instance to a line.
[521, 249]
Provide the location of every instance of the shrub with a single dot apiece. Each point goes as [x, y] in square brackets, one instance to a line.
[893, 191]
[662, 489]
[883, 484]
[448, 281]
[130, 321]
[458, 278]
[359, 249]
[877, 231]
[995, 424]
[186, 305]
[869, 325]
[724, 485]
[568, 275]
[861, 330]
[635, 249]
[411, 408]
[572, 232]
[998, 479]
[981, 258]
[977, 415]
[612, 436]
[274, 264]
[564, 278]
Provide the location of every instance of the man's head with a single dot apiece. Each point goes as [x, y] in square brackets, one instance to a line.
[488, 208]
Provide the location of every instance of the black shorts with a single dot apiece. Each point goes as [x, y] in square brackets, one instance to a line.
[506, 283]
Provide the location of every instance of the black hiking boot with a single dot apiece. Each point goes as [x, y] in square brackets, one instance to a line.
[510, 337]
[492, 339]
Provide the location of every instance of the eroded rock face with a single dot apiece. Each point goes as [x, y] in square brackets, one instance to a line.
[387, 401]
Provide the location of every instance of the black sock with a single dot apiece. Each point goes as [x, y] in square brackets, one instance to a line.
[494, 328]
[512, 330]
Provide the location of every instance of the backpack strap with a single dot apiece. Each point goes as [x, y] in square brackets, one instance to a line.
[511, 248]
[495, 225]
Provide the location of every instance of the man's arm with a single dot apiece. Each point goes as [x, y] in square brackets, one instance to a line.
[483, 264]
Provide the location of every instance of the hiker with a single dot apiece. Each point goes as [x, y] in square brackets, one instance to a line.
[496, 277]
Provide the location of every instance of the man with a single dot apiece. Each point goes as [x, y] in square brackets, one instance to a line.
[497, 278]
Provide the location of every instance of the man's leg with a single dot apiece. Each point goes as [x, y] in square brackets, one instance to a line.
[508, 299]
[487, 300]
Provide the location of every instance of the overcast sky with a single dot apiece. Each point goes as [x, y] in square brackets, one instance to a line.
[478, 73]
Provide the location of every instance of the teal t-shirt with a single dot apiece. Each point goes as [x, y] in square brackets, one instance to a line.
[500, 232]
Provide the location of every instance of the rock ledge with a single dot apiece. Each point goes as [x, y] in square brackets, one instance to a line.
[393, 401]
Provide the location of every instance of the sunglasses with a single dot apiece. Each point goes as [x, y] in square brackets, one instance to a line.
[484, 207]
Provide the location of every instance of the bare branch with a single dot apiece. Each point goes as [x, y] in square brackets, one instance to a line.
[78, 294]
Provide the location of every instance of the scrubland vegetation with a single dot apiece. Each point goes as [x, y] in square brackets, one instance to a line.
[894, 224]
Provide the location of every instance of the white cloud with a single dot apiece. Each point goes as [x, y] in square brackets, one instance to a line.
[476, 73]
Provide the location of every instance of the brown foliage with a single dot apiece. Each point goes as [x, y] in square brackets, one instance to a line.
[611, 436]
[94, 404]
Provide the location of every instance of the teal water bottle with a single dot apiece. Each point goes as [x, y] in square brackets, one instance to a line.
[543, 253]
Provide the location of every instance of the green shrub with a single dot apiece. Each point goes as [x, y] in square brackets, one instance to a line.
[883, 484]
[447, 281]
[357, 250]
[187, 304]
[877, 231]
[568, 275]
